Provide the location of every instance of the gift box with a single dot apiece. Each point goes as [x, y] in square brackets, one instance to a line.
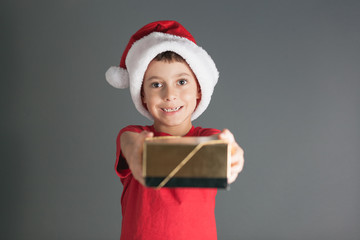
[186, 162]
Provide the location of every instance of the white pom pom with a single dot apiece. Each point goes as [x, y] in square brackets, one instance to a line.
[117, 77]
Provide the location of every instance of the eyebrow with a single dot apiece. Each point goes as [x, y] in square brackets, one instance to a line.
[182, 74]
[152, 77]
[176, 76]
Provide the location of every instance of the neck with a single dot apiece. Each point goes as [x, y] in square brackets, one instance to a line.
[173, 130]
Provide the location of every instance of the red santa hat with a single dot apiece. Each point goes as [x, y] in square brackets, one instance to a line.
[147, 43]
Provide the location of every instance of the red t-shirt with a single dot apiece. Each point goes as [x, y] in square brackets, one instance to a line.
[167, 213]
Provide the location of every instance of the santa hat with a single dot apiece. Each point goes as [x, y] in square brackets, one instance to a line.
[147, 43]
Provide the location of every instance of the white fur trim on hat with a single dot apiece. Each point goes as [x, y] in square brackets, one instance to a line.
[145, 49]
[117, 77]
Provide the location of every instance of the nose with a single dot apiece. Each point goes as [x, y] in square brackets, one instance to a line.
[170, 94]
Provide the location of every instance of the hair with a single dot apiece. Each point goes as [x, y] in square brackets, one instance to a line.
[169, 56]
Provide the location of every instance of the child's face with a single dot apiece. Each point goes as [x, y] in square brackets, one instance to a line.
[170, 93]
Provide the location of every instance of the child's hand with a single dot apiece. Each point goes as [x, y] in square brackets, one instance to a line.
[237, 154]
[132, 149]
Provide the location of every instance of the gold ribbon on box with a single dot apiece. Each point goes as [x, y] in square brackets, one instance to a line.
[186, 159]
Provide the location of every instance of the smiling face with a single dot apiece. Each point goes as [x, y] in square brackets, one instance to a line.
[170, 94]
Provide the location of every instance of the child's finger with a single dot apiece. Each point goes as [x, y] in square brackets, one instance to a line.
[237, 158]
[226, 135]
[141, 139]
[236, 168]
[232, 178]
[145, 134]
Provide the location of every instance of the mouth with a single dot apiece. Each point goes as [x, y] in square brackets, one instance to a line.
[171, 109]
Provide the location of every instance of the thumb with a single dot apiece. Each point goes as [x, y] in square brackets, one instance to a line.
[227, 135]
[146, 134]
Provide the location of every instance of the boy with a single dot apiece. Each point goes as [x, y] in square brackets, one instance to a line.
[171, 81]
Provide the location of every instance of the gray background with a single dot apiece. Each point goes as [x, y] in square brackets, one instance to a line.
[288, 89]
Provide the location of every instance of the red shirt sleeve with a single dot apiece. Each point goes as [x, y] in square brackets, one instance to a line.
[121, 166]
[199, 131]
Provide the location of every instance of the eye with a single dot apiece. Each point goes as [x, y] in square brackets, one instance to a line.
[156, 85]
[182, 82]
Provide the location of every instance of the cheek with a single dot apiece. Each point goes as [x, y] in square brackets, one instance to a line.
[192, 97]
[149, 99]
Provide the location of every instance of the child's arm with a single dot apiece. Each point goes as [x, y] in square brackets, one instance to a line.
[237, 154]
[132, 148]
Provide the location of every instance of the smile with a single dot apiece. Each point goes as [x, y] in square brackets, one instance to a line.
[171, 109]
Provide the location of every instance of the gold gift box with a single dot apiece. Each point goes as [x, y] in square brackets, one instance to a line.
[186, 162]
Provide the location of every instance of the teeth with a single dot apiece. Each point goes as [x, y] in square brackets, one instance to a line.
[171, 109]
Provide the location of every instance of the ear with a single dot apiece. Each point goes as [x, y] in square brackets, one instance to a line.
[198, 94]
[144, 104]
[142, 94]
